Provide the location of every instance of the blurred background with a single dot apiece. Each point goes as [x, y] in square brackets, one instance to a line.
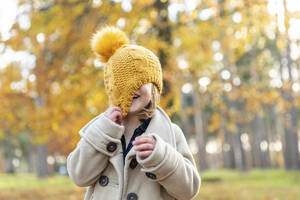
[231, 81]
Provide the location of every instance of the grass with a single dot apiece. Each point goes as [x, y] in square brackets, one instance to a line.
[216, 185]
[252, 185]
[28, 186]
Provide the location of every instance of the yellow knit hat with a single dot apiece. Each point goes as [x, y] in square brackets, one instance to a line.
[128, 66]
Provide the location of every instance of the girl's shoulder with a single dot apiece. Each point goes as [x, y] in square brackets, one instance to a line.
[177, 131]
[176, 126]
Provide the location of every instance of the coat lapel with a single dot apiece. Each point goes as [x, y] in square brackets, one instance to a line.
[159, 124]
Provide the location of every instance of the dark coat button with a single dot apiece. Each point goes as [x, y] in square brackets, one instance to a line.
[103, 181]
[111, 147]
[132, 196]
[150, 175]
[133, 163]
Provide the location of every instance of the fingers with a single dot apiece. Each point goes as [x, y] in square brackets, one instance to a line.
[117, 118]
[144, 153]
[114, 114]
[144, 145]
[143, 139]
[113, 109]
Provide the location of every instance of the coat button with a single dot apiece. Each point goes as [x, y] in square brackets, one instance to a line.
[150, 175]
[111, 147]
[133, 163]
[132, 196]
[103, 181]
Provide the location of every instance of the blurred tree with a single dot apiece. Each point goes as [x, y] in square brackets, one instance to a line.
[217, 57]
[291, 144]
[15, 107]
[68, 84]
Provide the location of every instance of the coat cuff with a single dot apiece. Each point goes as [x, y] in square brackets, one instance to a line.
[103, 134]
[162, 162]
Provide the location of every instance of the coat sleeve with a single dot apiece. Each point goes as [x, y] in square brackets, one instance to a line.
[86, 162]
[174, 169]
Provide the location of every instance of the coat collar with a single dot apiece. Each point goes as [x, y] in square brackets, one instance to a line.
[159, 124]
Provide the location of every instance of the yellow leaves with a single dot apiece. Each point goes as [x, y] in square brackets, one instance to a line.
[270, 97]
[77, 9]
[73, 93]
[42, 139]
[254, 98]
[10, 116]
[55, 126]
[2, 135]
[189, 110]
[229, 31]
[252, 105]
[143, 3]
[283, 105]
[297, 102]
[261, 42]
[231, 126]
[281, 43]
[194, 14]
[214, 122]
[153, 14]
[177, 102]
[183, 19]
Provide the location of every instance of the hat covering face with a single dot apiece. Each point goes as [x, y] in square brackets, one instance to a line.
[128, 66]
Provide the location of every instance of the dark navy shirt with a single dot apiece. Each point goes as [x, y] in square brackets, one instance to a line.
[137, 132]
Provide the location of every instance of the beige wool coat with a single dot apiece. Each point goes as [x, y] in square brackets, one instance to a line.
[168, 173]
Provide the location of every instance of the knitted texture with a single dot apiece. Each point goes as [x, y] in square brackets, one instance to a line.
[128, 66]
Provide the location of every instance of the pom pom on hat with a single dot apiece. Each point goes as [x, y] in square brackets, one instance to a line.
[106, 41]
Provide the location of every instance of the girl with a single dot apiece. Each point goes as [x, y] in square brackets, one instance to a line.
[132, 150]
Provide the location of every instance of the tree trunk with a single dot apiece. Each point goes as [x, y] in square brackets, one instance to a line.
[8, 150]
[9, 167]
[239, 152]
[261, 157]
[291, 151]
[42, 167]
[29, 158]
[199, 129]
[184, 117]
[271, 131]
[228, 151]
[163, 28]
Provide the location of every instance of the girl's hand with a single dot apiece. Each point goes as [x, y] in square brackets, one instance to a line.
[114, 114]
[144, 144]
